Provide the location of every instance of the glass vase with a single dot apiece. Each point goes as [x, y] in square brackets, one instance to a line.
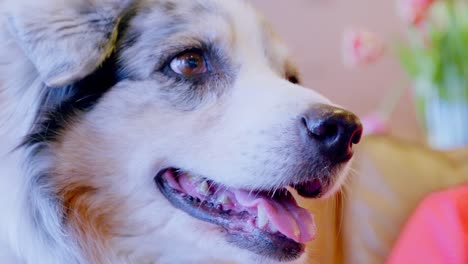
[444, 112]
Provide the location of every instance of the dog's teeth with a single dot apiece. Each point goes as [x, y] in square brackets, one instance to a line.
[262, 217]
[204, 189]
[297, 232]
[273, 228]
[224, 199]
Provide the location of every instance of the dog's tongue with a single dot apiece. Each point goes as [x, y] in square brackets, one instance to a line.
[280, 212]
[285, 215]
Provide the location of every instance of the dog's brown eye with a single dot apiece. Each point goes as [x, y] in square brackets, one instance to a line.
[293, 79]
[189, 64]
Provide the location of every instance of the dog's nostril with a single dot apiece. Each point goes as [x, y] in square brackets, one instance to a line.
[325, 131]
[356, 138]
[320, 130]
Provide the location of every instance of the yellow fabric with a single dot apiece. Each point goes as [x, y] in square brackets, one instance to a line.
[389, 179]
[326, 247]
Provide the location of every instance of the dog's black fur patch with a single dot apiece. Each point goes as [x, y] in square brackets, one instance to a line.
[61, 104]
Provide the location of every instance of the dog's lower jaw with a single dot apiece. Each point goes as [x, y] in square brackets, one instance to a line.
[188, 255]
[202, 243]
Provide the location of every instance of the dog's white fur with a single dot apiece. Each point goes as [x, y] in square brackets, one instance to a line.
[119, 145]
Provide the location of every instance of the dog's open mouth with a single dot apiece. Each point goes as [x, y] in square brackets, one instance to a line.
[269, 223]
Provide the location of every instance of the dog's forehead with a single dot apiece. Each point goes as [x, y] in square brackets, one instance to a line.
[232, 24]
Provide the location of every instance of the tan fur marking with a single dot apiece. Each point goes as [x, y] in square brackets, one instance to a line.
[89, 222]
[86, 210]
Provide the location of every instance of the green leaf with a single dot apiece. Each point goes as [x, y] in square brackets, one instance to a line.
[440, 54]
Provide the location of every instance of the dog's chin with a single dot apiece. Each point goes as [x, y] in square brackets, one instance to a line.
[266, 222]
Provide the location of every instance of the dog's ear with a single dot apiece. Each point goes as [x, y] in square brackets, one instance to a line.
[66, 40]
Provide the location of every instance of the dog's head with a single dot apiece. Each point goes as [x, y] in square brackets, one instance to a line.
[178, 128]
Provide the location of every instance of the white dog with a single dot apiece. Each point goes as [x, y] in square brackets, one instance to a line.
[158, 131]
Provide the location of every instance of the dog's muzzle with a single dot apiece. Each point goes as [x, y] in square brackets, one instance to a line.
[270, 222]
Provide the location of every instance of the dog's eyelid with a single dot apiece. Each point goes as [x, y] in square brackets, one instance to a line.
[188, 50]
[175, 49]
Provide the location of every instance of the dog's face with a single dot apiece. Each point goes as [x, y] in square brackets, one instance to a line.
[178, 131]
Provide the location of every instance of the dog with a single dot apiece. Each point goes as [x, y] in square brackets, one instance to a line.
[158, 131]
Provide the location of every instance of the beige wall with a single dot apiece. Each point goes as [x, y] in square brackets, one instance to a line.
[313, 30]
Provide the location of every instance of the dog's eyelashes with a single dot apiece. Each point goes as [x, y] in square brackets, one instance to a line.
[189, 63]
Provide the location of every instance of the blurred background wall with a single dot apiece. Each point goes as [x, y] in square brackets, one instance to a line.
[313, 31]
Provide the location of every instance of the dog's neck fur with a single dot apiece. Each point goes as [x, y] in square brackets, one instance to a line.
[32, 228]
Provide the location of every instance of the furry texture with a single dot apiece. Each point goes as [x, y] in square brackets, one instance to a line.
[90, 113]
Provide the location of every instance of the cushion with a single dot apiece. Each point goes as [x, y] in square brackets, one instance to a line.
[389, 180]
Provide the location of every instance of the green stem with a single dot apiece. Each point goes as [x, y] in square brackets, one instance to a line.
[456, 60]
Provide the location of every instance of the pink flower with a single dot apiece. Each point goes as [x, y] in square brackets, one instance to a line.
[374, 124]
[414, 11]
[361, 47]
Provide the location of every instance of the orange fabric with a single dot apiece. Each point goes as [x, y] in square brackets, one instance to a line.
[437, 232]
[392, 178]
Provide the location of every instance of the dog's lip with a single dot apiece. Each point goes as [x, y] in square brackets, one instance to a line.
[277, 219]
[310, 189]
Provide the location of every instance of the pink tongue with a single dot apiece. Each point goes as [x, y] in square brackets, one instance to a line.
[291, 220]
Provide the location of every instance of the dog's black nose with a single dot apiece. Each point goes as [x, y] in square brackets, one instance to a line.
[332, 130]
